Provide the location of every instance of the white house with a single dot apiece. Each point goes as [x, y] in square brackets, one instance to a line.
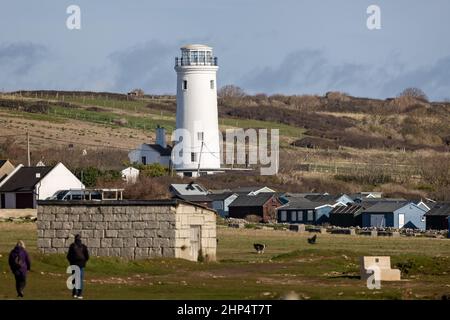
[25, 185]
[130, 174]
[147, 153]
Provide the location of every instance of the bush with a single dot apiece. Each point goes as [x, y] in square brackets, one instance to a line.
[152, 170]
[90, 176]
[253, 218]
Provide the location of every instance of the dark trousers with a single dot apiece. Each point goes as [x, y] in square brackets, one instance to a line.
[75, 291]
[21, 281]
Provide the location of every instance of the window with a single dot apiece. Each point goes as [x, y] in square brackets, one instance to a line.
[293, 215]
[201, 57]
[184, 84]
[193, 157]
[422, 219]
[200, 136]
[283, 216]
[144, 160]
[211, 84]
[310, 215]
[194, 57]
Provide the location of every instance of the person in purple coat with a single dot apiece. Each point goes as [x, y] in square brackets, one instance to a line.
[20, 264]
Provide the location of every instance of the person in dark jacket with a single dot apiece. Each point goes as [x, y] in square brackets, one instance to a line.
[78, 255]
[20, 264]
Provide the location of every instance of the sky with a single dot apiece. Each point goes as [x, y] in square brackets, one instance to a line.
[263, 46]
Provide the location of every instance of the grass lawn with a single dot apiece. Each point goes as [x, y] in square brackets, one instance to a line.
[327, 270]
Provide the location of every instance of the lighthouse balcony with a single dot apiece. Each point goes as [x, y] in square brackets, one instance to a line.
[205, 61]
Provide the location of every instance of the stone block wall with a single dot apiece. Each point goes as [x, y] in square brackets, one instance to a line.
[128, 229]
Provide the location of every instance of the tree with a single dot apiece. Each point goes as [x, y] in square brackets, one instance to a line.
[231, 91]
[414, 93]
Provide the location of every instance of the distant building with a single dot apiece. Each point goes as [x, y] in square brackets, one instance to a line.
[136, 93]
[191, 192]
[187, 189]
[438, 216]
[25, 185]
[130, 174]
[158, 152]
[346, 216]
[253, 191]
[301, 210]
[395, 215]
[222, 201]
[263, 205]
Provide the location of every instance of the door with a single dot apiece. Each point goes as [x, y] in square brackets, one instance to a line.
[377, 220]
[401, 220]
[195, 242]
[2, 201]
[24, 201]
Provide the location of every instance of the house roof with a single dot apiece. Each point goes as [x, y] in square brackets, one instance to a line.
[323, 197]
[251, 201]
[25, 179]
[439, 209]
[386, 206]
[162, 151]
[188, 189]
[303, 204]
[369, 202]
[348, 209]
[247, 190]
[194, 198]
[220, 196]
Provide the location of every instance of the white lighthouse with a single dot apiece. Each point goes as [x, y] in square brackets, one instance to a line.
[197, 148]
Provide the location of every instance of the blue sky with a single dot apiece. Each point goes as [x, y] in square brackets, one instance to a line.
[286, 46]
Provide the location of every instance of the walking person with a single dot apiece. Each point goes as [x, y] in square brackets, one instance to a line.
[20, 264]
[78, 255]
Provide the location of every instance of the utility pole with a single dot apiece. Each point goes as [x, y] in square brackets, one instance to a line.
[199, 159]
[28, 149]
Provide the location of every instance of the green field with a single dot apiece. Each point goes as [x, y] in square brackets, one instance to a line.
[327, 270]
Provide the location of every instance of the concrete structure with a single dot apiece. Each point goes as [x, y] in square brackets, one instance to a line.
[130, 174]
[197, 146]
[129, 229]
[25, 185]
[383, 263]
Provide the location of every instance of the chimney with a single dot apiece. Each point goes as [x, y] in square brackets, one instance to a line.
[161, 136]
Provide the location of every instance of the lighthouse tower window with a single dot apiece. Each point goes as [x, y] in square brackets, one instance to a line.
[193, 157]
[211, 84]
[184, 84]
[200, 136]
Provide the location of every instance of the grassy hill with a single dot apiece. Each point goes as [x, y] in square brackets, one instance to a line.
[332, 143]
[327, 270]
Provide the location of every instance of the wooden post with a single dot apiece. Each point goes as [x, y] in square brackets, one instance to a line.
[28, 149]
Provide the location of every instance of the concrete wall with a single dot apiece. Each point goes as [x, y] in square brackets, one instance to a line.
[128, 229]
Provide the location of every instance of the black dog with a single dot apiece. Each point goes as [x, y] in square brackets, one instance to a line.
[312, 240]
[259, 247]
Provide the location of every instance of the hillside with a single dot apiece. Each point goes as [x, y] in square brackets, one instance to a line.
[331, 143]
